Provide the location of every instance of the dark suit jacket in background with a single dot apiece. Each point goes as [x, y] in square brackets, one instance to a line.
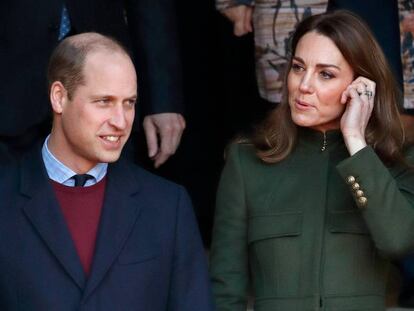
[29, 32]
[148, 252]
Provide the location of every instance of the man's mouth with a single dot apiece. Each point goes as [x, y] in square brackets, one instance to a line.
[111, 138]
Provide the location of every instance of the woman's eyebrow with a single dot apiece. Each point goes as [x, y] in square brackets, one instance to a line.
[321, 65]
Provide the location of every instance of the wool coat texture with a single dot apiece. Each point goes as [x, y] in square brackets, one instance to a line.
[295, 234]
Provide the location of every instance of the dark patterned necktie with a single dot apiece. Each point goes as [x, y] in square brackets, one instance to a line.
[65, 25]
[81, 179]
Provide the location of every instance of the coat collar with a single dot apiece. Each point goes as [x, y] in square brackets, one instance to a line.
[120, 210]
[320, 141]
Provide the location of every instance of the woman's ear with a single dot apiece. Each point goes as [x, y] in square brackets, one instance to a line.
[58, 96]
[345, 96]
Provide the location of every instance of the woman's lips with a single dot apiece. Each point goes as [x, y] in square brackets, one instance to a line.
[301, 105]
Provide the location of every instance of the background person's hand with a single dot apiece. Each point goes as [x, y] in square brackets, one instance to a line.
[359, 98]
[408, 23]
[241, 17]
[163, 134]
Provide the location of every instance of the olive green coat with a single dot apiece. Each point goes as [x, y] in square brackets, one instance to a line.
[294, 234]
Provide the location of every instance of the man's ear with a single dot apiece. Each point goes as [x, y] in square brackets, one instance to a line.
[58, 96]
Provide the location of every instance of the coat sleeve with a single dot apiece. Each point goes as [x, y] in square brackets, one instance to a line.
[385, 198]
[190, 285]
[229, 264]
[153, 27]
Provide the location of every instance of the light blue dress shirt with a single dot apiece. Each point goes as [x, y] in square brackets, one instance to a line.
[62, 174]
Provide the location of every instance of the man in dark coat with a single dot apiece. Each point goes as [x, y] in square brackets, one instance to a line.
[80, 230]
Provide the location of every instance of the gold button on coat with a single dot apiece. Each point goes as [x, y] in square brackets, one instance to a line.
[350, 180]
[355, 186]
[362, 201]
[359, 193]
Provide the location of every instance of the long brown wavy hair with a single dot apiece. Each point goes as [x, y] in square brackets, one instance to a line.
[276, 137]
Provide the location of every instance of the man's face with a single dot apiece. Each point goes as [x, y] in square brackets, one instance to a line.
[95, 124]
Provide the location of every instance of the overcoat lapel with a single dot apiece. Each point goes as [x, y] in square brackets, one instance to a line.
[43, 211]
[120, 212]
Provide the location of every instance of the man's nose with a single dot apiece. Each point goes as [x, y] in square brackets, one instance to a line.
[306, 83]
[118, 117]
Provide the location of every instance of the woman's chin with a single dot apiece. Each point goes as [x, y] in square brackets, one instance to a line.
[303, 122]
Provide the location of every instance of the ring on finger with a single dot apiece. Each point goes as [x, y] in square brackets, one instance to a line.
[368, 94]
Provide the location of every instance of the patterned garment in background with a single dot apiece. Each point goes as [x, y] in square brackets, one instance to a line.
[406, 10]
[274, 23]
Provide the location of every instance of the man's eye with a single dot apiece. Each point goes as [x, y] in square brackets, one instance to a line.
[103, 101]
[297, 67]
[326, 75]
[131, 102]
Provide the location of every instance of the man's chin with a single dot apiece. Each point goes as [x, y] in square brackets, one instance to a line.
[109, 157]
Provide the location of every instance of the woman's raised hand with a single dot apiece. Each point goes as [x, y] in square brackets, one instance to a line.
[359, 98]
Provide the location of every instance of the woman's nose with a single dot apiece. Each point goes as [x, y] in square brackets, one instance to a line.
[306, 83]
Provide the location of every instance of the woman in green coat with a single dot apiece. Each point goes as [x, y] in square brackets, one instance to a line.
[310, 213]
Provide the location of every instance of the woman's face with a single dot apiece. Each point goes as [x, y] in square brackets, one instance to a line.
[316, 80]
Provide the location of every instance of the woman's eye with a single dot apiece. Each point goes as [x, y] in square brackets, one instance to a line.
[297, 67]
[326, 75]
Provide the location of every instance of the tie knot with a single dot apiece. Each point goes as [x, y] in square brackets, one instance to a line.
[80, 179]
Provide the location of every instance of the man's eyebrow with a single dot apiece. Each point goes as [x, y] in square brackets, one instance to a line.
[321, 65]
[99, 96]
[96, 96]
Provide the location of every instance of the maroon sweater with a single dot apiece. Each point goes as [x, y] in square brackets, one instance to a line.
[81, 207]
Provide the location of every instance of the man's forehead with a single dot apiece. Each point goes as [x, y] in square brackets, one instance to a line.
[107, 62]
[104, 56]
[109, 73]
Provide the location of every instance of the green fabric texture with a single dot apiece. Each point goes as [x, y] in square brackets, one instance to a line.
[292, 235]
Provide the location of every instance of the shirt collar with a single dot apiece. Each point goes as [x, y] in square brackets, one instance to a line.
[62, 174]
